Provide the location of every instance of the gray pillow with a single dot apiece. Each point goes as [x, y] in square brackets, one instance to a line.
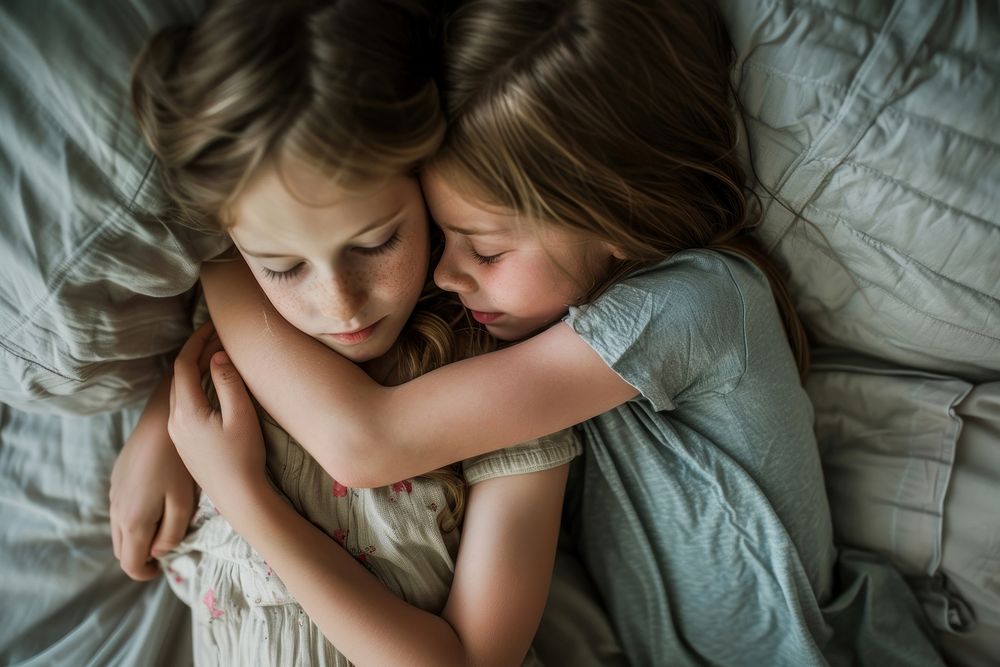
[96, 289]
[878, 122]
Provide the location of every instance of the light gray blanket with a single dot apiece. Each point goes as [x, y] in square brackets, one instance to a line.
[875, 123]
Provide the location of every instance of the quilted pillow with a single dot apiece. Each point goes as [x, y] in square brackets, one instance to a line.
[875, 124]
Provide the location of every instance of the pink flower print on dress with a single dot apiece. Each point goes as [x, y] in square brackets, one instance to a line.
[209, 601]
[362, 558]
[405, 485]
[339, 490]
[340, 535]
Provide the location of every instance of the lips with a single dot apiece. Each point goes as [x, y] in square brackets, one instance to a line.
[483, 317]
[354, 337]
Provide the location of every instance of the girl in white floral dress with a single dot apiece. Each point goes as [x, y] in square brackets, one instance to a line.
[297, 129]
[244, 615]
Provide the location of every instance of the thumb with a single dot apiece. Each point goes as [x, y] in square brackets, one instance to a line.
[233, 397]
[173, 526]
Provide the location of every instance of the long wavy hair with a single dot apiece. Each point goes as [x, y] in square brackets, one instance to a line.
[613, 119]
[344, 87]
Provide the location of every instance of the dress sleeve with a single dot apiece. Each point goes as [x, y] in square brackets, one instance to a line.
[673, 331]
[550, 451]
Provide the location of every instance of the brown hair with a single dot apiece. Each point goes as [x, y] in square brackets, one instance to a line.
[613, 119]
[342, 87]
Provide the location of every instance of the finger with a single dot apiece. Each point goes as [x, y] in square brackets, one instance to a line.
[172, 400]
[189, 397]
[135, 560]
[116, 540]
[212, 345]
[173, 527]
[199, 340]
[233, 397]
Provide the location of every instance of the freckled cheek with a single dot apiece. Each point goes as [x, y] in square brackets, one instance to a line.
[292, 305]
[501, 292]
[402, 276]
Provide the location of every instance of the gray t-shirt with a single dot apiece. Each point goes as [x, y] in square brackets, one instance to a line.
[700, 508]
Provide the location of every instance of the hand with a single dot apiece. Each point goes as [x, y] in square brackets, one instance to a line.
[212, 344]
[223, 449]
[152, 494]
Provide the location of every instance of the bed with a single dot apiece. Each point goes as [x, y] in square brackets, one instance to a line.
[873, 129]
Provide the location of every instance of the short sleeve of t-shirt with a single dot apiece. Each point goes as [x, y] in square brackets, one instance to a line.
[672, 331]
[543, 453]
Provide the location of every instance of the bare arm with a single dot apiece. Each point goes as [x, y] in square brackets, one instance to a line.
[539, 386]
[501, 580]
[152, 495]
[502, 572]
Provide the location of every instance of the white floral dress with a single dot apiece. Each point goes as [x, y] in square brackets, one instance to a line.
[242, 613]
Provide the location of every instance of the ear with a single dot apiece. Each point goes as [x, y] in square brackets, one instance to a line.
[614, 250]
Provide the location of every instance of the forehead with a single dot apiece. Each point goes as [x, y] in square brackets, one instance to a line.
[285, 207]
[456, 210]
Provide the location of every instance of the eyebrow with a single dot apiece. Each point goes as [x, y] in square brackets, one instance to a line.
[380, 222]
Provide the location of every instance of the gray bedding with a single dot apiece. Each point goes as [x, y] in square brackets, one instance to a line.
[875, 123]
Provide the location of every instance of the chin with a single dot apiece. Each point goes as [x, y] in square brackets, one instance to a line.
[511, 334]
[505, 334]
[357, 354]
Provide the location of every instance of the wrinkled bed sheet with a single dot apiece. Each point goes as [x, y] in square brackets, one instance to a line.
[875, 123]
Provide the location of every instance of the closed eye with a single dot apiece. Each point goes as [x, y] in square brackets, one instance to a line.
[279, 276]
[380, 249]
[486, 259]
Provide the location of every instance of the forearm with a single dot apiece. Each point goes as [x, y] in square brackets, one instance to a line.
[352, 609]
[152, 494]
[367, 435]
[295, 378]
[151, 429]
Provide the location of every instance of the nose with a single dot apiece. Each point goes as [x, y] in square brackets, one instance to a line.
[448, 274]
[343, 295]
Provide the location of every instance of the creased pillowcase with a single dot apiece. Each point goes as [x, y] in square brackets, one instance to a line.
[96, 285]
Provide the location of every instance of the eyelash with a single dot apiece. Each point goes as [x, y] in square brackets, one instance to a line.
[385, 247]
[484, 259]
[279, 276]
